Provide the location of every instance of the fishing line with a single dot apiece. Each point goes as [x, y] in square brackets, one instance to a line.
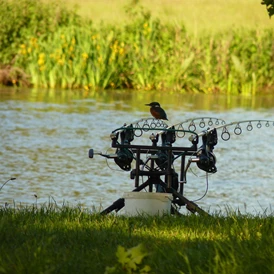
[205, 190]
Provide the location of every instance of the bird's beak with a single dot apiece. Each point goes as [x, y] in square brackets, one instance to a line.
[147, 104]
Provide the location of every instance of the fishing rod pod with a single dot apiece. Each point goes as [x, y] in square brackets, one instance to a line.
[155, 161]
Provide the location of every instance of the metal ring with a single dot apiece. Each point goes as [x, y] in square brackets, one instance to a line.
[249, 126]
[210, 123]
[145, 126]
[180, 128]
[192, 126]
[159, 123]
[138, 135]
[259, 125]
[202, 124]
[225, 131]
[237, 130]
[181, 136]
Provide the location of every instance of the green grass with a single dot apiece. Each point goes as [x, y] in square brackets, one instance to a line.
[197, 15]
[71, 240]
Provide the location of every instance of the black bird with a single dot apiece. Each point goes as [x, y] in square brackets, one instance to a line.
[156, 111]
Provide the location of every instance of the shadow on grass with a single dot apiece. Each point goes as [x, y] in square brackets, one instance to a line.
[73, 241]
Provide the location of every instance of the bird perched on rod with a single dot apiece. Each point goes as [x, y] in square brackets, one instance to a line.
[156, 111]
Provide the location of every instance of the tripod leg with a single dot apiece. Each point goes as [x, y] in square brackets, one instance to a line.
[117, 205]
[120, 203]
[191, 206]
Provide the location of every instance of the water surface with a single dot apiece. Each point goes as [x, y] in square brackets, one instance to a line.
[46, 135]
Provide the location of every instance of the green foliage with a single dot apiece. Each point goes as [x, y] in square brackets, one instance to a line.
[269, 6]
[129, 261]
[24, 18]
[142, 54]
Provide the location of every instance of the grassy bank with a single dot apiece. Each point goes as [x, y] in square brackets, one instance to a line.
[66, 240]
[198, 16]
[52, 47]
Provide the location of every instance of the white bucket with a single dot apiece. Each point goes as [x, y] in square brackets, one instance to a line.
[147, 203]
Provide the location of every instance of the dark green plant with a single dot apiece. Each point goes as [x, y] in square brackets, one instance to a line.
[269, 6]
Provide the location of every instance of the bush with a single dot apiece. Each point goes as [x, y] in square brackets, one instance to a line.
[21, 18]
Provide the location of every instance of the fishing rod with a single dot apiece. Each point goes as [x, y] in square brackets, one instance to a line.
[238, 129]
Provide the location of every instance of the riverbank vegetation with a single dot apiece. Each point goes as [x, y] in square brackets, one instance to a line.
[46, 45]
[54, 239]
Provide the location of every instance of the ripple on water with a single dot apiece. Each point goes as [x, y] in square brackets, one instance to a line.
[46, 145]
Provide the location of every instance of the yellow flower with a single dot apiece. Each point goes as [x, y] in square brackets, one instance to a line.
[100, 59]
[86, 87]
[73, 41]
[61, 62]
[41, 62]
[23, 51]
[148, 87]
[33, 40]
[121, 51]
[145, 25]
[85, 56]
[42, 56]
[98, 47]
[41, 59]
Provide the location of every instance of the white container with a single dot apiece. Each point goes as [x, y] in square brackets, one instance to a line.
[147, 203]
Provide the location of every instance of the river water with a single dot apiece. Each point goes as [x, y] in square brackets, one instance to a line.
[46, 136]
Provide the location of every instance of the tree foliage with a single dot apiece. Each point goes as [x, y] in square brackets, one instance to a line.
[269, 6]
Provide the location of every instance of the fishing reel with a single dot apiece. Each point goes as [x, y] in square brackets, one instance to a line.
[168, 138]
[124, 158]
[124, 155]
[206, 158]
